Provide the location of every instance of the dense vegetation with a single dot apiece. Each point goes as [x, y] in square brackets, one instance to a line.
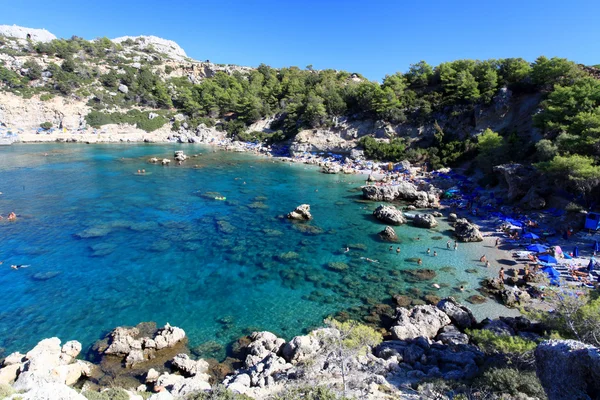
[567, 145]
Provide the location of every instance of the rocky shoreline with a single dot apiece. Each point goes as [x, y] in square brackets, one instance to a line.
[422, 344]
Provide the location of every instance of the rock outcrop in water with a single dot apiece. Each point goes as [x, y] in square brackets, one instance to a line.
[466, 231]
[139, 344]
[425, 221]
[301, 213]
[390, 215]
[388, 234]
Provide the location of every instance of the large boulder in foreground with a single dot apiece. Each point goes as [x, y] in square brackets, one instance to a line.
[568, 369]
[466, 231]
[423, 321]
[460, 315]
[425, 221]
[301, 213]
[390, 215]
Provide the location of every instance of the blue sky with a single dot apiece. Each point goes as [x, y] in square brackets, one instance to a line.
[373, 37]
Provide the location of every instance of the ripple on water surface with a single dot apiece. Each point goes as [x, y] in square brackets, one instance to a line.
[108, 247]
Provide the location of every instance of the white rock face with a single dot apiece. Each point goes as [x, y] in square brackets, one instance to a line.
[37, 35]
[168, 47]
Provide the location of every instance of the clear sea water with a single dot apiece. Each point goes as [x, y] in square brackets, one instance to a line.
[107, 247]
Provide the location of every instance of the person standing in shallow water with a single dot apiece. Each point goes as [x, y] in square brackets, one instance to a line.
[455, 245]
[448, 245]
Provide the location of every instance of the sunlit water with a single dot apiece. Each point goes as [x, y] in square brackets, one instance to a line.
[108, 247]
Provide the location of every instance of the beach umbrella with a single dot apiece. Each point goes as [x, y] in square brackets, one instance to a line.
[552, 273]
[576, 252]
[547, 258]
[538, 248]
[530, 235]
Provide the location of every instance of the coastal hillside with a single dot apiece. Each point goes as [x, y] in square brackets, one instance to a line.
[479, 112]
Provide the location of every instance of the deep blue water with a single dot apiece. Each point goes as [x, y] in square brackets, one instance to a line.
[108, 247]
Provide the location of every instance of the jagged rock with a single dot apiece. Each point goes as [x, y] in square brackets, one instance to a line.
[450, 335]
[460, 315]
[425, 221]
[123, 88]
[9, 373]
[160, 45]
[179, 156]
[512, 295]
[568, 369]
[437, 214]
[168, 336]
[405, 191]
[240, 384]
[423, 321]
[152, 375]
[532, 200]
[44, 357]
[389, 215]
[300, 348]
[263, 344]
[14, 358]
[301, 213]
[388, 234]
[20, 32]
[466, 231]
[161, 396]
[51, 391]
[123, 341]
[519, 179]
[331, 168]
[70, 351]
[452, 217]
[189, 367]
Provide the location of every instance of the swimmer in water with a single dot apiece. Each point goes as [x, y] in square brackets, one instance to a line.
[15, 267]
[483, 259]
[347, 249]
[420, 262]
[428, 251]
[435, 253]
[397, 250]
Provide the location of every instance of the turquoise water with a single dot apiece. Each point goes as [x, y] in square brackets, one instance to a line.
[108, 247]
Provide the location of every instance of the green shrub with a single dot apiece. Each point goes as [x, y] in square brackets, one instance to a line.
[383, 151]
[46, 125]
[491, 343]
[46, 97]
[5, 391]
[133, 117]
[34, 70]
[109, 394]
[308, 393]
[218, 393]
[512, 381]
